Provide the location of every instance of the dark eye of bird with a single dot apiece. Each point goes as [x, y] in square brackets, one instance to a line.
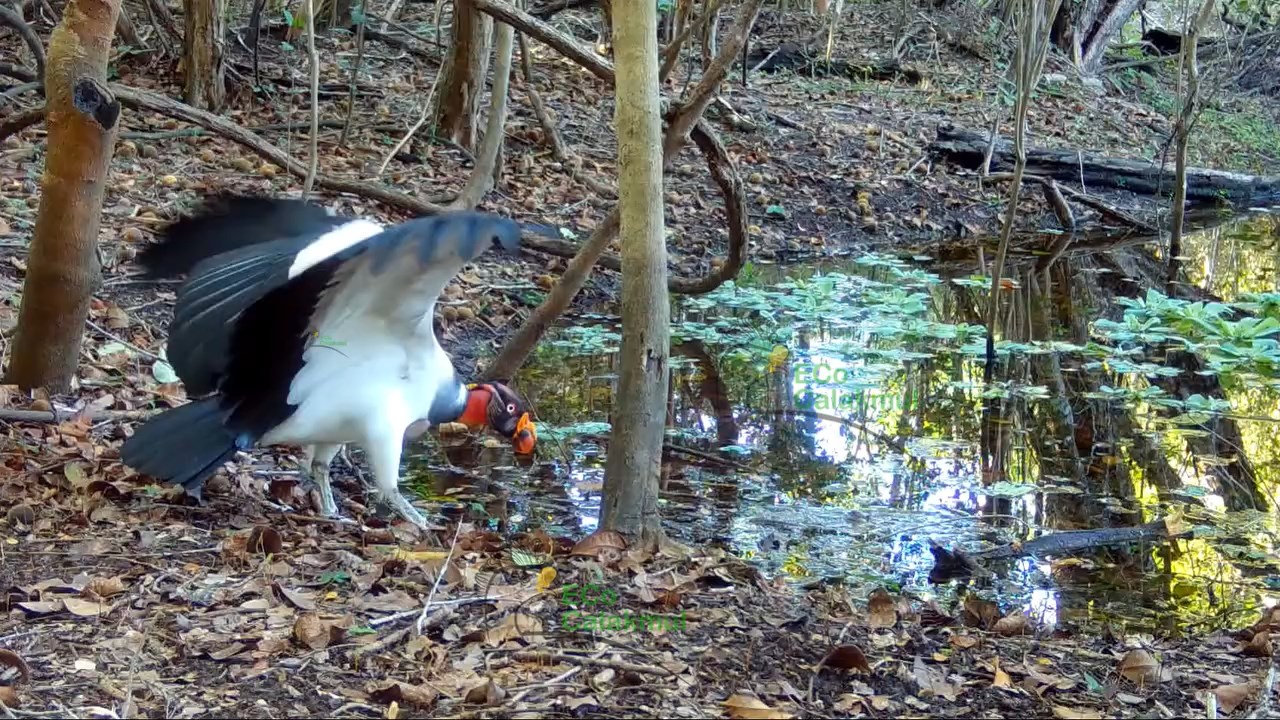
[511, 408]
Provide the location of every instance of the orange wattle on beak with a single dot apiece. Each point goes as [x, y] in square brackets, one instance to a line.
[526, 436]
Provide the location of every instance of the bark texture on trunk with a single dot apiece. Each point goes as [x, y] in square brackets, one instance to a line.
[464, 73]
[633, 469]
[62, 267]
[1110, 22]
[204, 67]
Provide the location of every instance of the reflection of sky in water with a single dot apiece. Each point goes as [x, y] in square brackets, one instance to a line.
[933, 491]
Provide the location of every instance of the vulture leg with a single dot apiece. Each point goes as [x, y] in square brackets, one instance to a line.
[383, 453]
[319, 457]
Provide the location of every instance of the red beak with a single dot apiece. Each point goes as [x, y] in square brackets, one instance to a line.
[526, 436]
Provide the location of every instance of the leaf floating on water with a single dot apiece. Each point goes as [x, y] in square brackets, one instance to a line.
[747, 707]
[847, 657]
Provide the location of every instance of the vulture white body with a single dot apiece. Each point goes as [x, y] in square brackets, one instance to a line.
[312, 330]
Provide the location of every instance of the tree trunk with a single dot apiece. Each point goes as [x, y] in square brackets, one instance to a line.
[62, 267]
[1095, 39]
[634, 466]
[484, 176]
[1182, 134]
[464, 71]
[204, 68]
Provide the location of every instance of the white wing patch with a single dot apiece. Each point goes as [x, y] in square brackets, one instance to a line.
[332, 243]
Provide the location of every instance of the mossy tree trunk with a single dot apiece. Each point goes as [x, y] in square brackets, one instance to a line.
[62, 267]
[633, 469]
[204, 67]
[464, 71]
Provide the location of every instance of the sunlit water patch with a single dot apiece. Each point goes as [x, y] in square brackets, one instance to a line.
[827, 422]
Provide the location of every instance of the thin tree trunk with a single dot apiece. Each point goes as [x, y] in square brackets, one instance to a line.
[204, 68]
[634, 467]
[517, 349]
[1033, 41]
[464, 73]
[1182, 133]
[483, 175]
[1108, 28]
[62, 268]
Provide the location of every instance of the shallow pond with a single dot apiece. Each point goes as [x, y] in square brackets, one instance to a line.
[827, 420]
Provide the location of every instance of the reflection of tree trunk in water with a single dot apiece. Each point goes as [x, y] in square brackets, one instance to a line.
[712, 389]
[1056, 443]
[1097, 428]
[1235, 480]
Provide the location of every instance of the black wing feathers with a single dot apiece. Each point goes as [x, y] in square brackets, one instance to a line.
[229, 222]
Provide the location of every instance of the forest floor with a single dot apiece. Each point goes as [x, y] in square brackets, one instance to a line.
[122, 601]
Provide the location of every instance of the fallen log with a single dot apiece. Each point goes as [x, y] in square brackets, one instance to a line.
[955, 564]
[967, 148]
[803, 60]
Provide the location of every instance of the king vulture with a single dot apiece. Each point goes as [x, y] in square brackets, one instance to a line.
[297, 327]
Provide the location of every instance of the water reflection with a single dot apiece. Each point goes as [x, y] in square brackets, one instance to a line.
[828, 420]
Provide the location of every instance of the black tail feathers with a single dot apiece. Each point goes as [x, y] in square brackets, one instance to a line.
[231, 222]
[184, 446]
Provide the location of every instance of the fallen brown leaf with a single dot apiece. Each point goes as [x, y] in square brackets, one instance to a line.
[265, 540]
[847, 657]
[747, 707]
[1065, 713]
[881, 611]
[980, 613]
[12, 659]
[1231, 696]
[1001, 678]
[1137, 666]
[85, 608]
[486, 693]
[1259, 646]
[422, 696]
[1013, 624]
[598, 542]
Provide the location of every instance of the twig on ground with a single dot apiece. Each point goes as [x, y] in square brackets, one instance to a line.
[426, 113]
[426, 608]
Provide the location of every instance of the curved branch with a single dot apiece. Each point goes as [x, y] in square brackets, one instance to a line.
[548, 35]
[735, 207]
[14, 20]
